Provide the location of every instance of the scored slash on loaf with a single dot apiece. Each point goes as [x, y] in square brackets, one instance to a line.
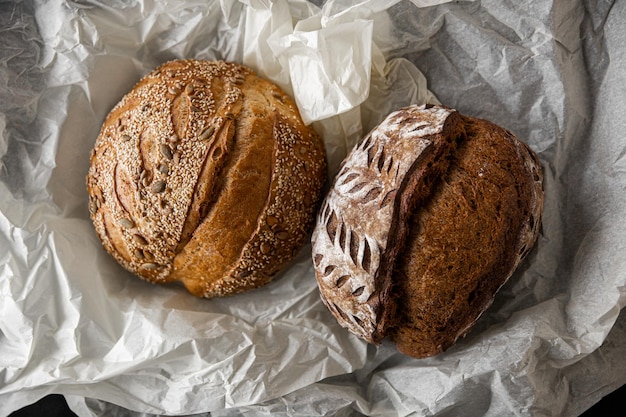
[205, 174]
[427, 218]
[353, 226]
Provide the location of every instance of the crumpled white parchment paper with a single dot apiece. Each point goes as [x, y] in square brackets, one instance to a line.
[74, 322]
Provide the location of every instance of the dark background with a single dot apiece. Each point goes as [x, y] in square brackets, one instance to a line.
[55, 406]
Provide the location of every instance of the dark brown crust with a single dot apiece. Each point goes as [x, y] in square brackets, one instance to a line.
[188, 167]
[465, 214]
[467, 240]
[415, 190]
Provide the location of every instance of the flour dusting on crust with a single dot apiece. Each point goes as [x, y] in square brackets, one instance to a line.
[353, 225]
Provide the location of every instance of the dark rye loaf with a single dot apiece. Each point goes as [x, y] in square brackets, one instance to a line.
[205, 174]
[428, 217]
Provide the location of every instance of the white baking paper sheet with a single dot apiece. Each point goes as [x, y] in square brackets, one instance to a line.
[75, 323]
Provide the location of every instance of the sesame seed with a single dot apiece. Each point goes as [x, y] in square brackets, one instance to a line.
[146, 116]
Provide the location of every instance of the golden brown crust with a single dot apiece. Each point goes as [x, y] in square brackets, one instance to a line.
[472, 213]
[188, 167]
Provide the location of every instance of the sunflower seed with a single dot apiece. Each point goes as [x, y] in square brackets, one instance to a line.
[278, 96]
[164, 169]
[207, 133]
[166, 151]
[238, 79]
[126, 223]
[282, 235]
[140, 240]
[158, 187]
[266, 248]
[145, 178]
[149, 265]
[243, 273]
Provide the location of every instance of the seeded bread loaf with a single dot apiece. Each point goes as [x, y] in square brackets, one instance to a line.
[428, 217]
[205, 174]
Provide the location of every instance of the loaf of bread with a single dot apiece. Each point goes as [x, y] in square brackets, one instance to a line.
[428, 217]
[205, 174]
